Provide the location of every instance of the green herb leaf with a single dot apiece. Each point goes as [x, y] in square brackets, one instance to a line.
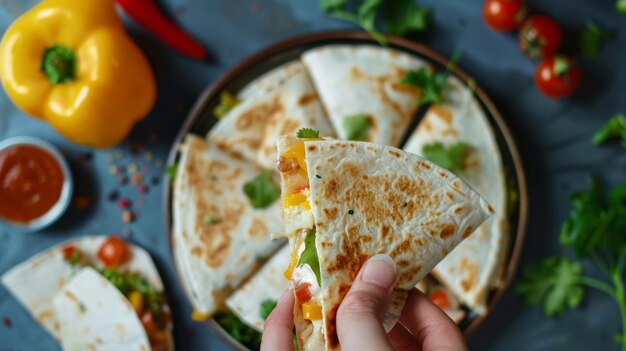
[239, 330]
[308, 133]
[595, 225]
[227, 102]
[76, 256]
[591, 39]
[620, 5]
[332, 5]
[614, 128]
[171, 171]
[431, 83]
[261, 190]
[210, 220]
[401, 17]
[267, 306]
[451, 158]
[309, 256]
[553, 283]
[365, 15]
[356, 127]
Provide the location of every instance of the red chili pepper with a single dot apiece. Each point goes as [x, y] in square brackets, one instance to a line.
[148, 14]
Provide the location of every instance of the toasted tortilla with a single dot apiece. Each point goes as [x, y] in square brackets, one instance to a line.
[362, 79]
[370, 199]
[214, 258]
[94, 315]
[268, 283]
[280, 102]
[37, 281]
[471, 270]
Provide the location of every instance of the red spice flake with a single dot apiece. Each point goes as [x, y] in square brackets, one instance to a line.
[124, 203]
[143, 188]
[81, 202]
[127, 216]
[7, 322]
[137, 178]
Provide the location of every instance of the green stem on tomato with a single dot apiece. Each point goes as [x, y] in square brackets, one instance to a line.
[598, 284]
[620, 296]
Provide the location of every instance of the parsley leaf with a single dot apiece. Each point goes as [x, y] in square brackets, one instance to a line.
[591, 39]
[267, 306]
[210, 220]
[261, 190]
[553, 283]
[365, 15]
[356, 127]
[309, 256]
[308, 133]
[403, 16]
[451, 158]
[171, 171]
[227, 102]
[620, 5]
[431, 83]
[595, 224]
[614, 128]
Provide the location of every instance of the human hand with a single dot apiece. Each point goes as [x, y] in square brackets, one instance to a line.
[422, 325]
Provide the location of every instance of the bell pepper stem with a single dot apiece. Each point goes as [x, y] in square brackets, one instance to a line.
[59, 64]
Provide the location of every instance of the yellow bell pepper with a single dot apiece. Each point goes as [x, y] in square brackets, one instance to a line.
[297, 199]
[71, 63]
[311, 311]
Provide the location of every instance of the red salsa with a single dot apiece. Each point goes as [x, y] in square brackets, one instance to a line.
[31, 180]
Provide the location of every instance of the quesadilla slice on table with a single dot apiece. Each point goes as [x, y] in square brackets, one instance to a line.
[224, 209]
[360, 88]
[134, 291]
[345, 202]
[474, 267]
[280, 102]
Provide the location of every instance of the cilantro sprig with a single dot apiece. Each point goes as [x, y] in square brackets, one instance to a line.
[452, 158]
[309, 256]
[431, 83]
[267, 306]
[620, 5]
[261, 190]
[591, 39]
[304, 133]
[595, 230]
[614, 128]
[400, 17]
[356, 127]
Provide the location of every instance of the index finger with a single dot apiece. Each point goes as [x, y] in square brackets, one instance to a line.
[432, 328]
[278, 328]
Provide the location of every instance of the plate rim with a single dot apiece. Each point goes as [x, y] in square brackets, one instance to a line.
[516, 246]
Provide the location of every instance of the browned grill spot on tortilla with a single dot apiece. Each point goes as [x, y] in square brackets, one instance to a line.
[403, 262]
[258, 114]
[330, 213]
[289, 126]
[394, 153]
[469, 270]
[307, 99]
[311, 147]
[331, 320]
[258, 229]
[447, 231]
[458, 211]
[216, 241]
[443, 113]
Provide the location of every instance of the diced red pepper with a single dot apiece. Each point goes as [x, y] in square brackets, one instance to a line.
[68, 252]
[440, 298]
[302, 293]
[301, 188]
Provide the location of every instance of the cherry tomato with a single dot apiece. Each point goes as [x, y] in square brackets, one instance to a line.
[440, 298]
[68, 252]
[113, 251]
[148, 322]
[557, 76]
[303, 294]
[504, 15]
[540, 36]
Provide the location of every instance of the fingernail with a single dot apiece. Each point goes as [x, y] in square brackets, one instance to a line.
[380, 270]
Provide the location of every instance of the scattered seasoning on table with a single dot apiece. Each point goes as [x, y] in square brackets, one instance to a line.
[81, 202]
[113, 195]
[127, 216]
[143, 188]
[124, 203]
[254, 8]
[7, 322]
[132, 168]
[112, 169]
[137, 178]
[155, 180]
[122, 180]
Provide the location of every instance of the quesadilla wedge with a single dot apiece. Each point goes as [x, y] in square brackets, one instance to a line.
[356, 200]
[37, 282]
[360, 88]
[219, 236]
[94, 315]
[281, 102]
[265, 287]
[472, 269]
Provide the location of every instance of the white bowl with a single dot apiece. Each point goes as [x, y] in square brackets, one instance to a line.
[66, 191]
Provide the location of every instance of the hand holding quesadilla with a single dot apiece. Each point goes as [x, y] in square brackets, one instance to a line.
[345, 202]
[359, 324]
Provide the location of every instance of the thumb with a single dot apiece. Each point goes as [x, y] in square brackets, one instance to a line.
[359, 318]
